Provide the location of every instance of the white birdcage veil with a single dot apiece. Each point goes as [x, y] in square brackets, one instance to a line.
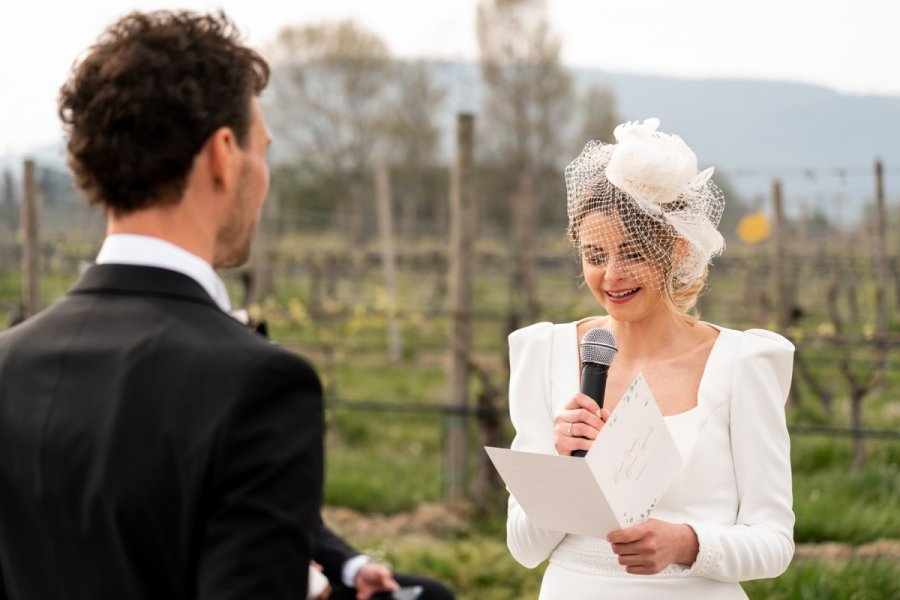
[633, 202]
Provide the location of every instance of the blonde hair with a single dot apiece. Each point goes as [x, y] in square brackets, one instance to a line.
[682, 298]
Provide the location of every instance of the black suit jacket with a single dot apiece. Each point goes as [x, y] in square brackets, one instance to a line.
[332, 552]
[151, 447]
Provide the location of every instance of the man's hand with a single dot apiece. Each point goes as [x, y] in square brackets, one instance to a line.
[317, 578]
[373, 578]
[653, 545]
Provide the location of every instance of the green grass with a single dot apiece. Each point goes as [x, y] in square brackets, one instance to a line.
[839, 504]
[854, 579]
[834, 502]
[384, 463]
[474, 566]
[831, 500]
[477, 566]
[391, 461]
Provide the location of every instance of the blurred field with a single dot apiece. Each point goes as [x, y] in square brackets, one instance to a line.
[343, 109]
[383, 463]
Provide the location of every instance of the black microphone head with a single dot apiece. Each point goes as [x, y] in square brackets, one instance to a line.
[598, 346]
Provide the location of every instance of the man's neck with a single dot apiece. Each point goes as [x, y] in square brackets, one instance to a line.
[172, 224]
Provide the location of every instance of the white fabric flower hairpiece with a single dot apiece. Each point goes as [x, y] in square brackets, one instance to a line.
[653, 168]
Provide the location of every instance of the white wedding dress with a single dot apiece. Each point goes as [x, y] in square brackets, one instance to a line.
[733, 488]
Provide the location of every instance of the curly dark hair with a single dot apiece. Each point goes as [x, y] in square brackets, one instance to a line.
[139, 107]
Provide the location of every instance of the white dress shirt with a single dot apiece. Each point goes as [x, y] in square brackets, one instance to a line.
[147, 251]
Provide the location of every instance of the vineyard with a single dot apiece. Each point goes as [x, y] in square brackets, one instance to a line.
[382, 347]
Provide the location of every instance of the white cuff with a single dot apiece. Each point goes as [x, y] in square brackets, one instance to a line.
[710, 551]
[351, 569]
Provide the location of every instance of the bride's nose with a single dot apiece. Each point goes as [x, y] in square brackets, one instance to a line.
[613, 269]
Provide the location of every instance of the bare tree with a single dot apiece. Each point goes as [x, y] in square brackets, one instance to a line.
[328, 94]
[528, 103]
[412, 137]
[597, 111]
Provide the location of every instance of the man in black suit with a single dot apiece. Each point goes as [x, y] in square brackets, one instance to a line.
[150, 446]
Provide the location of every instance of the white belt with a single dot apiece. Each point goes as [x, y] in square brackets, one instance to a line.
[594, 556]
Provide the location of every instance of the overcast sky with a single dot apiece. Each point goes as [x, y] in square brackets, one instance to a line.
[851, 46]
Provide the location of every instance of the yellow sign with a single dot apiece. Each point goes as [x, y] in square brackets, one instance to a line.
[753, 228]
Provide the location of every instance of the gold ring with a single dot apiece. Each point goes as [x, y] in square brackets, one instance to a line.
[569, 430]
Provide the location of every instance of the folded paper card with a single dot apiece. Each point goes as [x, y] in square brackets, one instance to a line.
[616, 485]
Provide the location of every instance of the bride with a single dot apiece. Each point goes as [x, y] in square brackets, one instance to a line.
[644, 222]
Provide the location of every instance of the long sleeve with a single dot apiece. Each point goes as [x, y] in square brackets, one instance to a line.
[532, 418]
[267, 489]
[760, 543]
[332, 552]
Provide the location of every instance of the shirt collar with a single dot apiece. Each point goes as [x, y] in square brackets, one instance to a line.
[147, 251]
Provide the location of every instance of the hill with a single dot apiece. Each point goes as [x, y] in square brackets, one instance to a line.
[820, 143]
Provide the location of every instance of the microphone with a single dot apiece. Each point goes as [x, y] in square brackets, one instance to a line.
[598, 349]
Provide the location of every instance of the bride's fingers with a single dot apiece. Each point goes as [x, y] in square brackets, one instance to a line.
[580, 400]
[580, 423]
[583, 415]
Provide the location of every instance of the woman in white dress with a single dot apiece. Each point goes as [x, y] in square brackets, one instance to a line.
[644, 222]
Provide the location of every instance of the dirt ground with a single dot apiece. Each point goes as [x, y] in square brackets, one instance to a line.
[439, 521]
[428, 520]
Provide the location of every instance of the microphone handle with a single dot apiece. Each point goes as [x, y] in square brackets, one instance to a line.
[593, 385]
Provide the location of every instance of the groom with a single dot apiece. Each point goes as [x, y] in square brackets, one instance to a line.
[150, 446]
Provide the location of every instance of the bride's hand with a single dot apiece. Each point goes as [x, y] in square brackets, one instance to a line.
[577, 426]
[653, 545]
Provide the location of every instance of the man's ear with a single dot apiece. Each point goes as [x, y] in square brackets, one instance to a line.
[222, 155]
